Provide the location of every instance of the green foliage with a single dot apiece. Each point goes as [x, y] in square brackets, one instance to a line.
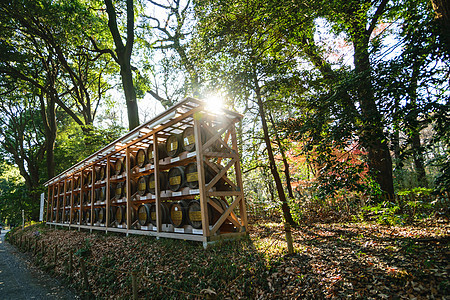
[13, 196]
[74, 144]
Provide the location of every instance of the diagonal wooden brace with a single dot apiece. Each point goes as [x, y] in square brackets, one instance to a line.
[225, 215]
[220, 174]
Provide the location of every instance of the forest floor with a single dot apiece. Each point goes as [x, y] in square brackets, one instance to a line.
[332, 261]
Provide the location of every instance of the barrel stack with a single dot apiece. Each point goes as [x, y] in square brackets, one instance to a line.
[176, 176]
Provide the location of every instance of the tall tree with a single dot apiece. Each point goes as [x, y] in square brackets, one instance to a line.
[235, 32]
[123, 57]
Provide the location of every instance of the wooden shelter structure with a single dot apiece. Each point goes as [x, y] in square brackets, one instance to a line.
[117, 189]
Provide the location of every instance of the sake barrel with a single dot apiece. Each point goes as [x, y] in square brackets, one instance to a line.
[77, 183]
[177, 178]
[112, 191]
[162, 182]
[112, 214]
[189, 138]
[88, 216]
[89, 178]
[119, 167]
[133, 185]
[121, 214]
[141, 158]
[76, 217]
[76, 199]
[161, 153]
[102, 173]
[66, 215]
[142, 188]
[102, 194]
[164, 213]
[191, 173]
[97, 174]
[174, 145]
[144, 214]
[97, 195]
[194, 214]
[96, 214]
[67, 201]
[68, 185]
[101, 215]
[178, 213]
[60, 216]
[119, 190]
[133, 215]
[85, 179]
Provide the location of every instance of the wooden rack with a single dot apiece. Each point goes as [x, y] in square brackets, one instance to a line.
[73, 192]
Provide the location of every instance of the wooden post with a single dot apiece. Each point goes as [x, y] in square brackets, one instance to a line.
[108, 192]
[55, 254]
[157, 184]
[84, 274]
[49, 198]
[128, 183]
[134, 285]
[201, 177]
[92, 195]
[70, 263]
[237, 169]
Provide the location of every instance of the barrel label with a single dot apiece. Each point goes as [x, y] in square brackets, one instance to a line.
[173, 145]
[189, 140]
[194, 192]
[195, 216]
[142, 215]
[175, 159]
[177, 217]
[142, 186]
[191, 154]
[175, 180]
[192, 177]
[153, 215]
[152, 184]
[176, 194]
[141, 158]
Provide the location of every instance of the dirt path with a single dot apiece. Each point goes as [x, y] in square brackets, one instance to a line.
[19, 280]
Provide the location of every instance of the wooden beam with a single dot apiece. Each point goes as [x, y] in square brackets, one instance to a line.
[217, 136]
[217, 168]
[108, 192]
[219, 175]
[225, 215]
[201, 176]
[220, 210]
[237, 168]
[128, 184]
[157, 184]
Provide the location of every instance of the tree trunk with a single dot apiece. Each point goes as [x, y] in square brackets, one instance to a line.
[372, 136]
[130, 95]
[123, 56]
[287, 172]
[442, 15]
[273, 168]
[413, 126]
